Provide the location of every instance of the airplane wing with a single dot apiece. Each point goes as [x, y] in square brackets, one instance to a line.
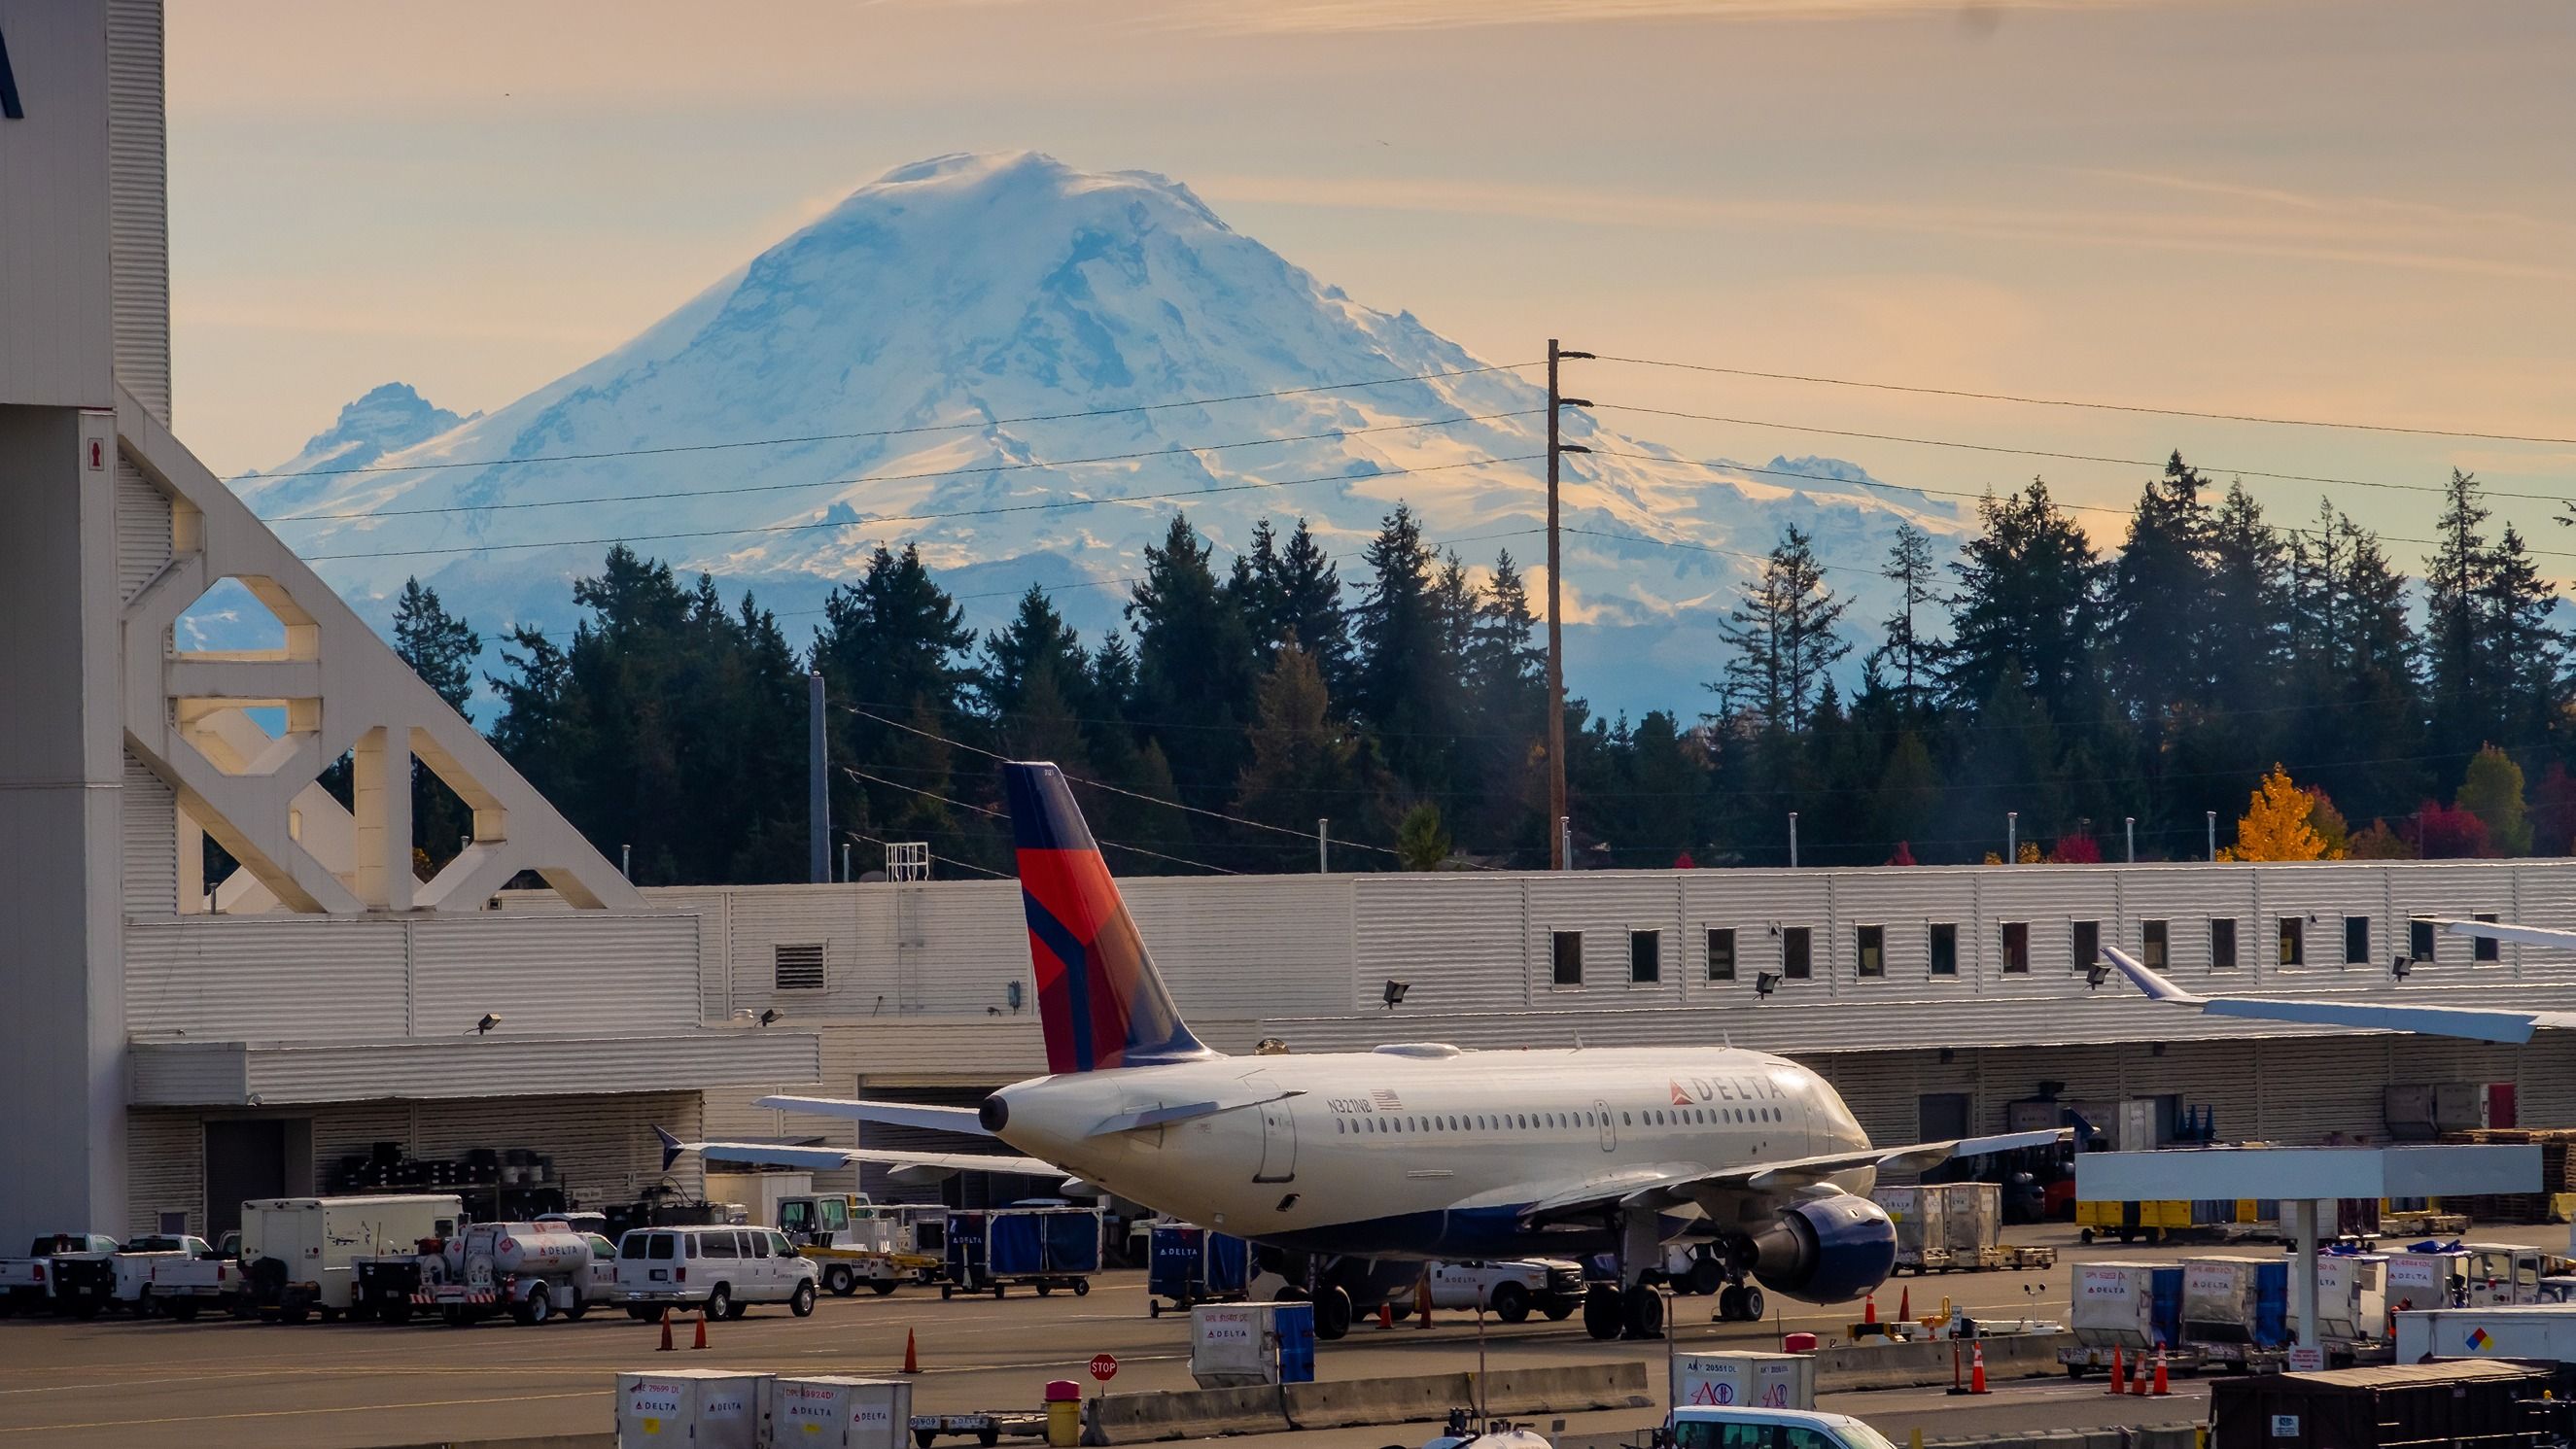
[2471, 1023]
[963, 1120]
[773, 1154]
[2498, 931]
[1671, 1186]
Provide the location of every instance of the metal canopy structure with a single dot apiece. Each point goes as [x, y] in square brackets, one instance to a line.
[2300, 1177]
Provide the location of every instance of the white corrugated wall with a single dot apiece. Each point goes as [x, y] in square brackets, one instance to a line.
[165, 1154]
[138, 202]
[150, 831]
[1463, 950]
[143, 530]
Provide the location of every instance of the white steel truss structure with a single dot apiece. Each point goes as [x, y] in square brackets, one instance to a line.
[339, 688]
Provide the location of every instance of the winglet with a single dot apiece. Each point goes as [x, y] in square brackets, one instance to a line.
[672, 1147]
[2156, 987]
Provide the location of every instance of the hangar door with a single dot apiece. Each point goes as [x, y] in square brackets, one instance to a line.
[254, 1157]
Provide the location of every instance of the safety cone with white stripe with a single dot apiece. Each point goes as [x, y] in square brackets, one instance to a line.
[1977, 1366]
[2119, 1373]
[2162, 1390]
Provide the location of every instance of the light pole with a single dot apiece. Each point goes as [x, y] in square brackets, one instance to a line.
[1556, 448]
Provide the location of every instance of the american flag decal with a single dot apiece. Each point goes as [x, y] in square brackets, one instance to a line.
[1386, 1101]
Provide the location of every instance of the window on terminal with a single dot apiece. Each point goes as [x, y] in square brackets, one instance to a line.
[1797, 952]
[1869, 947]
[1566, 955]
[2222, 943]
[1942, 938]
[2151, 944]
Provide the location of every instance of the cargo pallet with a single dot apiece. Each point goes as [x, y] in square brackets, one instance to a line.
[986, 1429]
[1988, 1260]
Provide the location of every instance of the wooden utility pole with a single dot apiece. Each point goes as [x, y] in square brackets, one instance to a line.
[1558, 844]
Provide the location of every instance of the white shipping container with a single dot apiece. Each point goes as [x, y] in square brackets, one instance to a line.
[1976, 1215]
[2544, 1333]
[701, 1408]
[1234, 1345]
[2424, 1280]
[2221, 1298]
[1743, 1380]
[2352, 1297]
[838, 1413]
[2114, 1305]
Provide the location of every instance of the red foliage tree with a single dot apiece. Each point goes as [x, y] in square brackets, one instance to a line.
[2076, 850]
[2450, 833]
[1904, 855]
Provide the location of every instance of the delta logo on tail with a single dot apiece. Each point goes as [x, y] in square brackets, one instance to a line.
[1099, 998]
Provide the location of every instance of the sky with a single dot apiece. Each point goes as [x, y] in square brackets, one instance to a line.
[2356, 212]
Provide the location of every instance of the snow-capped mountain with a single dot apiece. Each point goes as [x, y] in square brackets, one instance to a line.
[968, 344]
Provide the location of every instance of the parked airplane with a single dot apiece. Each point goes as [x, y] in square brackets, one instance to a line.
[2473, 1023]
[1415, 1150]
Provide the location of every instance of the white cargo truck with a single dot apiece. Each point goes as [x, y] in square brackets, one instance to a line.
[1743, 1380]
[1511, 1288]
[300, 1255]
[2543, 1333]
[531, 1271]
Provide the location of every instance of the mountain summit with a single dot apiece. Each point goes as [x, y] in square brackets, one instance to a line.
[969, 342]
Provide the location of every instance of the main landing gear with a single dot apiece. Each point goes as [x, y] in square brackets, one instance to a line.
[1630, 1308]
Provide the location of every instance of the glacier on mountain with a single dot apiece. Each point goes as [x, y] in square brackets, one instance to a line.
[1023, 367]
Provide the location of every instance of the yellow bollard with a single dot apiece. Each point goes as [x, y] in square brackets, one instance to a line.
[1914, 1437]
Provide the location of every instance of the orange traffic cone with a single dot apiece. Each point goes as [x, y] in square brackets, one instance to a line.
[1422, 1301]
[2162, 1389]
[2119, 1372]
[2138, 1378]
[666, 1332]
[702, 1330]
[1869, 1309]
[911, 1354]
[1905, 1305]
[1386, 1315]
[1977, 1367]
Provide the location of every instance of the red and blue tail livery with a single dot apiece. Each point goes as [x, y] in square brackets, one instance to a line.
[1101, 1001]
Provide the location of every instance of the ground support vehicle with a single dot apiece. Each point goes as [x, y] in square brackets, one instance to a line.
[1714, 1427]
[65, 1273]
[301, 1255]
[530, 1271]
[2025, 1259]
[1512, 1288]
[1043, 1248]
[983, 1428]
[1189, 1265]
[852, 1242]
[142, 1287]
[720, 1271]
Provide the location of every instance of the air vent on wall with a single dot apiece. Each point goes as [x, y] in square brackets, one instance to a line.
[798, 967]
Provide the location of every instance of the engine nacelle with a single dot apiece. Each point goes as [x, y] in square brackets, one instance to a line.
[1827, 1250]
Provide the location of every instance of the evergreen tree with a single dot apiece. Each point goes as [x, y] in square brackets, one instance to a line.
[1304, 762]
[1506, 693]
[2159, 600]
[1905, 656]
[440, 647]
[1420, 842]
[2522, 655]
[1035, 642]
[2029, 610]
[892, 646]
[1300, 594]
[1785, 636]
[1408, 671]
[1195, 666]
[2456, 582]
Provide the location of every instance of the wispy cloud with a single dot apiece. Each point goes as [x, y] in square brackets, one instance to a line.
[1321, 17]
[2319, 239]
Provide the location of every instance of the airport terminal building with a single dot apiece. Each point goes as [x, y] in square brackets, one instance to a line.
[329, 1015]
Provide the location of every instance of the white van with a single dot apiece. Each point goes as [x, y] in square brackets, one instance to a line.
[1737, 1428]
[723, 1270]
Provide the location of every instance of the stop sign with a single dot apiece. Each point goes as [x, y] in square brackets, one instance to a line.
[1104, 1367]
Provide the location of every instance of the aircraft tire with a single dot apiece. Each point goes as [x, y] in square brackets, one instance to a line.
[1643, 1311]
[1730, 1303]
[1332, 1313]
[1601, 1311]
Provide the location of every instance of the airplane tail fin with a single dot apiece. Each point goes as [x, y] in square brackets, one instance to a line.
[1101, 1001]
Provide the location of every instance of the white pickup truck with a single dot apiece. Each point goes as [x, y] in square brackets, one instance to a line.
[173, 1274]
[63, 1272]
[1511, 1288]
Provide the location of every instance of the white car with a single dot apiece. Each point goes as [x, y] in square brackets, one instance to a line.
[722, 1270]
[1731, 1428]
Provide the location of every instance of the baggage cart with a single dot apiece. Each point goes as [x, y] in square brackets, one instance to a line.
[1040, 1248]
[1189, 1265]
[2457, 1405]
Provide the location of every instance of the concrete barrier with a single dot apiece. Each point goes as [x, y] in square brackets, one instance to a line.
[1188, 1414]
[1915, 1365]
[1564, 1389]
[1346, 1402]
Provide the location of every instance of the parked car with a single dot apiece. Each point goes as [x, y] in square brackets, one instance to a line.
[720, 1270]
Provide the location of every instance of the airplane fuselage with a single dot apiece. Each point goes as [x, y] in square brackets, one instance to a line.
[1426, 1151]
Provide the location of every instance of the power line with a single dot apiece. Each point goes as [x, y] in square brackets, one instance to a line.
[928, 517]
[2068, 457]
[998, 815]
[655, 497]
[1098, 785]
[2054, 402]
[958, 427]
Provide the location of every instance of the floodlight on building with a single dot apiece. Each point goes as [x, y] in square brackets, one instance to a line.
[1393, 995]
[772, 1017]
[1764, 983]
[490, 1020]
[2401, 967]
[2095, 975]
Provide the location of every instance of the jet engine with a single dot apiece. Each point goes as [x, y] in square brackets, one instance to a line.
[1825, 1250]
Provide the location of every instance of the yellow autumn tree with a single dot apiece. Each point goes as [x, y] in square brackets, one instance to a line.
[2278, 824]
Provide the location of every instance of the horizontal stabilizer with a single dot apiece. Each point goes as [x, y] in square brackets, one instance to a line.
[2465, 1022]
[892, 1114]
[2498, 931]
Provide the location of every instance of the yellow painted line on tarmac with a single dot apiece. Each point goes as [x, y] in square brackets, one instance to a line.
[292, 1413]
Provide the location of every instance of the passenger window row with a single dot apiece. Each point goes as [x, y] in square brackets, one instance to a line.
[1551, 1121]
